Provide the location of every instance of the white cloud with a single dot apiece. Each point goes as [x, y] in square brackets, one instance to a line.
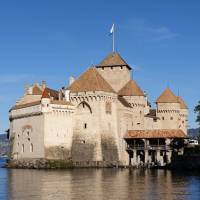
[142, 29]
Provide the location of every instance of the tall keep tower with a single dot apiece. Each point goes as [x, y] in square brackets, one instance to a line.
[115, 71]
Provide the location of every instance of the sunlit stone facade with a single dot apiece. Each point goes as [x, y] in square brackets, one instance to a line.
[87, 121]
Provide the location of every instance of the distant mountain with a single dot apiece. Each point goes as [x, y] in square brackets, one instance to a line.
[193, 132]
[3, 145]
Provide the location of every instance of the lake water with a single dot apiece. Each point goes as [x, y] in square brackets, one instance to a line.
[98, 184]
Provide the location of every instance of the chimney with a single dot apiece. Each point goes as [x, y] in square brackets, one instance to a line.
[43, 85]
[67, 95]
[71, 80]
[60, 95]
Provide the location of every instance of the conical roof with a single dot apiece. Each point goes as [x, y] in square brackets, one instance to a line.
[131, 89]
[167, 97]
[45, 94]
[90, 80]
[182, 103]
[113, 59]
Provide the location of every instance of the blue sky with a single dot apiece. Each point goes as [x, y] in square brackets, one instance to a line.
[51, 40]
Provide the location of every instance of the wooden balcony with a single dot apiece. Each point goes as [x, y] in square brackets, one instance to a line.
[148, 147]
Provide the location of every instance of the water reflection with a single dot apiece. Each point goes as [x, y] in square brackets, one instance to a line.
[101, 184]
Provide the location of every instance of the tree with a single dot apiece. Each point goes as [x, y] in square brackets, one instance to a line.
[197, 111]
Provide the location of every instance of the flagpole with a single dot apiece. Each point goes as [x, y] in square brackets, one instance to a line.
[113, 38]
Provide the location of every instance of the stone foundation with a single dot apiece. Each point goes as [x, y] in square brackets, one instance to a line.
[109, 149]
[58, 164]
[57, 153]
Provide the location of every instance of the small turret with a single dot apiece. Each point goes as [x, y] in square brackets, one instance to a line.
[45, 100]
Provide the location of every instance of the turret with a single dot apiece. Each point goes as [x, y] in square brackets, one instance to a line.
[45, 101]
[132, 93]
[168, 110]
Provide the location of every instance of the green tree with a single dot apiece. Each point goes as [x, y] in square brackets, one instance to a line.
[197, 111]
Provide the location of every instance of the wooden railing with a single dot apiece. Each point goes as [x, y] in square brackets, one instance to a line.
[148, 147]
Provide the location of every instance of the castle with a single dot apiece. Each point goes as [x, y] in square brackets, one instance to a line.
[101, 118]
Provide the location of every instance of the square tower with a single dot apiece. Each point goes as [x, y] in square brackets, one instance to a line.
[115, 71]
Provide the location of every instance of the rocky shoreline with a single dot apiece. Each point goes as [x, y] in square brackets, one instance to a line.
[58, 164]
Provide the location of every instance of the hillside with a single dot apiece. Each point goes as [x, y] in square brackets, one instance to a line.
[3, 145]
[193, 132]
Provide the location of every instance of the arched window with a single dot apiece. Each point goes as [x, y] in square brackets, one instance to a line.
[22, 148]
[31, 148]
[84, 107]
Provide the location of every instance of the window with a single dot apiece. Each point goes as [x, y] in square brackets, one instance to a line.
[22, 148]
[171, 118]
[109, 126]
[85, 125]
[31, 148]
[108, 108]
[163, 118]
[121, 67]
[112, 68]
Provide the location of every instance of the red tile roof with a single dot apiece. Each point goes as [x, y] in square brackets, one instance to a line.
[26, 105]
[161, 133]
[45, 94]
[152, 114]
[36, 90]
[182, 103]
[90, 80]
[61, 102]
[113, 59]
[52, 93]
[131, 89]
[167, 97]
